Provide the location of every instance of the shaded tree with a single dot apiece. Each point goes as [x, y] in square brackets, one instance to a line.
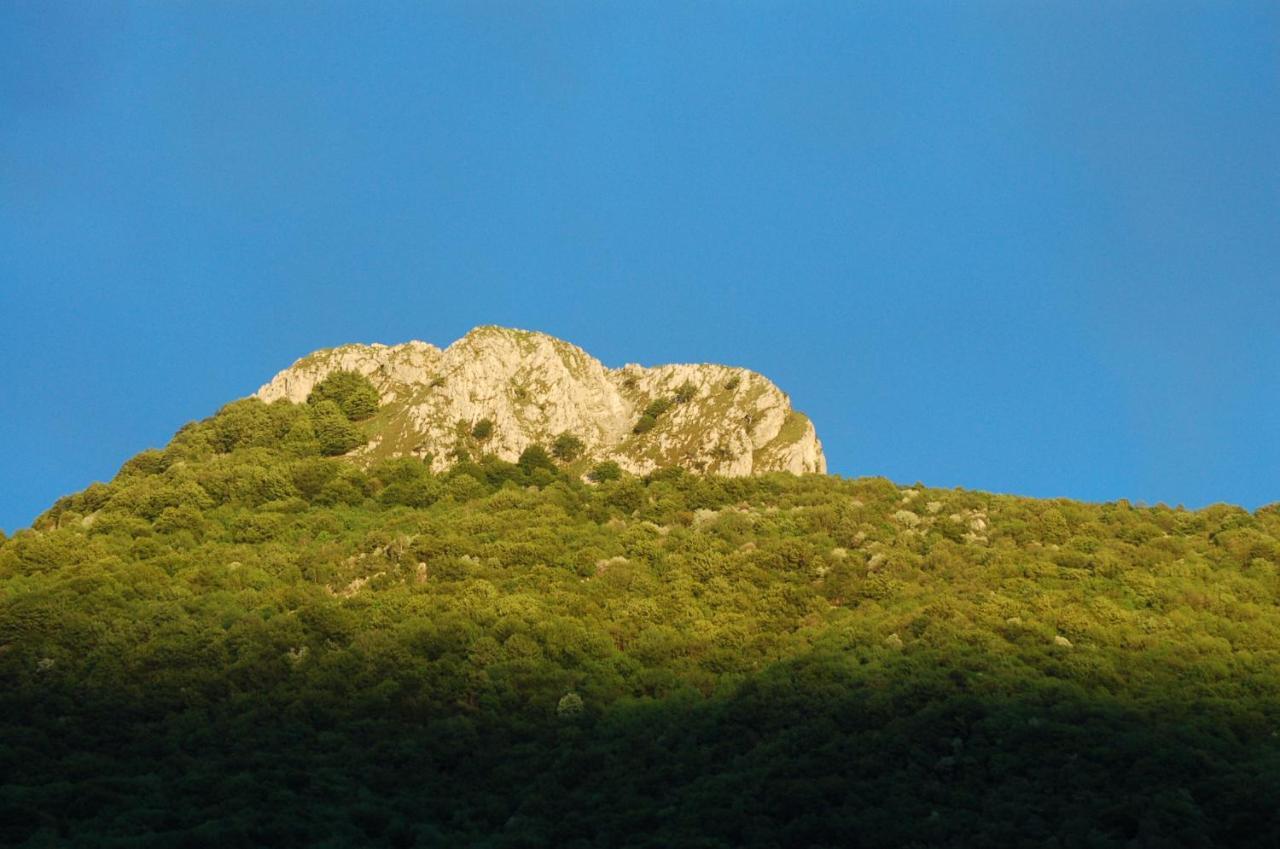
[535, 457]
[567, 447]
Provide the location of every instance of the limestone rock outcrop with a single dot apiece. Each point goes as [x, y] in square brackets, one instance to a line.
[533, 387]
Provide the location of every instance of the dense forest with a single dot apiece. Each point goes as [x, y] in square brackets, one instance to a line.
[245, 639]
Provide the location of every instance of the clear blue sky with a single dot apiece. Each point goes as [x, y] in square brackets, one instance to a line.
[1022, 247]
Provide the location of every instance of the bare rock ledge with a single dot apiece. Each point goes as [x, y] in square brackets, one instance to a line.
[534, 387]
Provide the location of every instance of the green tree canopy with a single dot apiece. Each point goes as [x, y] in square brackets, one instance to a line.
[535, 457]
[354, 394]
[334, 431]
[605, 471]
[567, 447]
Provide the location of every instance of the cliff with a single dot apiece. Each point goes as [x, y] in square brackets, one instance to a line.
[533, 388]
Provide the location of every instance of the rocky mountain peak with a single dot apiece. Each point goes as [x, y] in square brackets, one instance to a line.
[498, 390]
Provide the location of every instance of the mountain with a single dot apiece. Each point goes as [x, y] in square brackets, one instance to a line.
[533, 388]
[267, 633]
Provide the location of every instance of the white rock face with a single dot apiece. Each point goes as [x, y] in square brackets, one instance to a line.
[533, 387]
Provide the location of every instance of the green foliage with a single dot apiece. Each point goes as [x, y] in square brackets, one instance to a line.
[462, 488]
[570, 706]
[407, 482]
[535, 457]
[685, 393]
[312, 475]
[248, 423]
[605, 471]
[239, 641]
[649, 418]
[354, 394]
[335, 433]
[482, 429]
[567, 447]
[147, 463]
[657, 407]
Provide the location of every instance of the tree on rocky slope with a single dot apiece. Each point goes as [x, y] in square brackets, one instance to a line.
[352, 392]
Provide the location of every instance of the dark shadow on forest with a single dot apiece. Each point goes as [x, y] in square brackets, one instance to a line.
[808, 752]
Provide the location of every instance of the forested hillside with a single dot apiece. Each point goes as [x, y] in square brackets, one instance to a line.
[243, 641]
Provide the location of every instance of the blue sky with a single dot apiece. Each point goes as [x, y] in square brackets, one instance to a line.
[1022, 247]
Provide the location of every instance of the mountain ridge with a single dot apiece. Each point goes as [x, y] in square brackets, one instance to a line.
[532, 387]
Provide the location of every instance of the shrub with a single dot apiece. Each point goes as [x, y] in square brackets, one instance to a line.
[334, 431]
[465, 488]
[535, 457]
[310, 476]
[407, 481]
[249, 423]
[567, 447]
[649, 417]
[657, 407]
[250, 479]
[149, 462]
[340, 490]
[606, 471]
[628, 496]
[255, 527]
[685, 393]
[354, 394]
[301, 439]
[569, 706]
[483, 429]
[418, 492]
